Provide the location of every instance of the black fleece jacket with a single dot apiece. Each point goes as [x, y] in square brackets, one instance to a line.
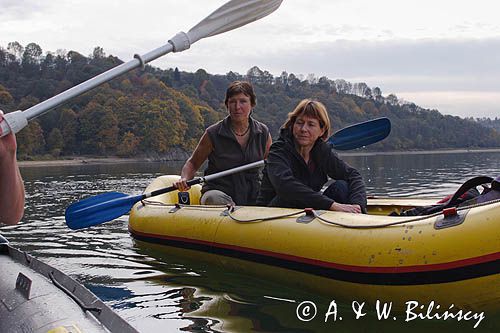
[290, 182]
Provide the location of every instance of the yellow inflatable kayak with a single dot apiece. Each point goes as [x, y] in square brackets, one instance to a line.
[451, 260]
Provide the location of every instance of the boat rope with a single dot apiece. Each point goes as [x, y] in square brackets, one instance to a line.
[262, 219]
[420, 218]
[161, 204]
[231, 209]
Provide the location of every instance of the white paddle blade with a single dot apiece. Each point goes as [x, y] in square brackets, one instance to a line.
[232, 15]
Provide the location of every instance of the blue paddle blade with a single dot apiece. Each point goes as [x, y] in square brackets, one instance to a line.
[98, 209]
[360, 135]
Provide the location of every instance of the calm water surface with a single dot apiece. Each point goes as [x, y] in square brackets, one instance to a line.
[162, 291]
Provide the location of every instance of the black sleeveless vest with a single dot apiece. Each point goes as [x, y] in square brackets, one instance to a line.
[227, 153]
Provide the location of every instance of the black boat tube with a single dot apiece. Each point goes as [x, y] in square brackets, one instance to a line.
[36, 297]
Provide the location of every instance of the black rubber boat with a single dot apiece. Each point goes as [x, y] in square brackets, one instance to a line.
[35, 297]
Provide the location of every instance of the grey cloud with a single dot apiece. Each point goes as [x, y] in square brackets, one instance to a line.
[463, 62]
[284, 31]
[20, 9]
[7, 4]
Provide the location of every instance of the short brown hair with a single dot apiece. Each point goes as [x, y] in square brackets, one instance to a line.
[311, 108]
[241, 87]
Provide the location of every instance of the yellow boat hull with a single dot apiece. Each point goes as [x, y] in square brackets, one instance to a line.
[410, 260]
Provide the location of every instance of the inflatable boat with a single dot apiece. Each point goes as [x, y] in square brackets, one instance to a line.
[35, 297]
[451, 258]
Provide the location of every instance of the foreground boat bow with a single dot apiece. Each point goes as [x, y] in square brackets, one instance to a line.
[39, 298]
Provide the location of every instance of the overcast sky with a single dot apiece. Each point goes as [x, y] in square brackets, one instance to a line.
[440, 54]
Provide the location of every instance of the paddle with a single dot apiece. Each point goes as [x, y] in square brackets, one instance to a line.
[108, 206]
[361, 134]
[232, 15]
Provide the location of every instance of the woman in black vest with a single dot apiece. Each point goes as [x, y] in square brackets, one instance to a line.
[236, 140]
[301, 161]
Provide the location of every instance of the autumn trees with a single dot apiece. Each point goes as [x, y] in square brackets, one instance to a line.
[152, 111]
[134, 114]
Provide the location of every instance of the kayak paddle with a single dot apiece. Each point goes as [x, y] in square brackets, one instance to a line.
[108, 206]
[232, 15]
[361, 134]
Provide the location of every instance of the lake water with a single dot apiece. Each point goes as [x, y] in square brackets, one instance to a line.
[157, 290]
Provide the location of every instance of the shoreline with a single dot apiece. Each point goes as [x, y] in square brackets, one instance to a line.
[81, 160]
[422, 152]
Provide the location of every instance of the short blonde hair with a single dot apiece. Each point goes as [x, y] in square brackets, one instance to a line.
[311, 108]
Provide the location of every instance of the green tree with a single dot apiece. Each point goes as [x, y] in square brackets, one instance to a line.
[177, 74]
[5, 96]
[128, 145]
[30, 141]
[98, 129]
[162, 126]
[55, 142]
[369, 108]
[32, 54]
[98, 53]
[68, 124]
[16, 50]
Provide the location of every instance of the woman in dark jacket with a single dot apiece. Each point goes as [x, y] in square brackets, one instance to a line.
[300, 162]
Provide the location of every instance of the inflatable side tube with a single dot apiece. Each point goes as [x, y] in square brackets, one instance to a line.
[35, 297]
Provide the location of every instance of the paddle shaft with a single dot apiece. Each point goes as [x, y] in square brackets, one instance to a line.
[206, 178]
[22, 117]
[82, 88]
[232, 15]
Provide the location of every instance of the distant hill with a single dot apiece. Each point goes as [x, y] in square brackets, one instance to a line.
[154, 112]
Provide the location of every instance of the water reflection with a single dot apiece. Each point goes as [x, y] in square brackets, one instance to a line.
[243, 302]
[422, 174]
[157, 289]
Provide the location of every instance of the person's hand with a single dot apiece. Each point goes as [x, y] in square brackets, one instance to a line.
[182, 185]
[8, 144]
[345, 208]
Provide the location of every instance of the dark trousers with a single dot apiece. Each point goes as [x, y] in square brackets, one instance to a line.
[338, 191]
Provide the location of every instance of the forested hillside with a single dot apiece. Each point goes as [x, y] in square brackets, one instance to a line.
[491, 123]
[151, 112]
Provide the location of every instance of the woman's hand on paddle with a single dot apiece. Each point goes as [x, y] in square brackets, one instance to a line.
[182, 185]
[345, 208]
[192, 165]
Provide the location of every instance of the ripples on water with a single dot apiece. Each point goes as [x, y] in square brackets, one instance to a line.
[159, 291]
[422, 174]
